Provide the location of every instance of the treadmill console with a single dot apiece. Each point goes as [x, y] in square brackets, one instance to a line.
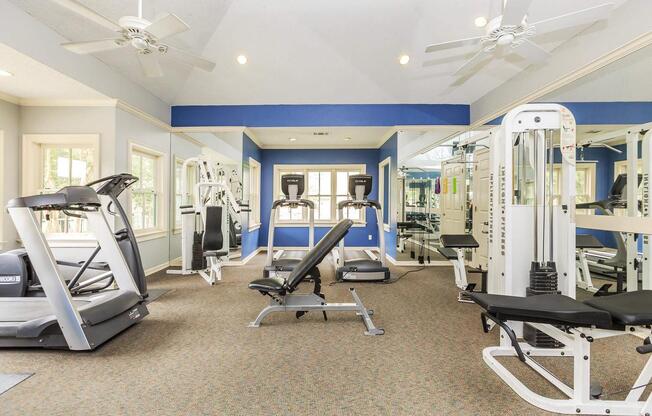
[360, 187]
[292, 186]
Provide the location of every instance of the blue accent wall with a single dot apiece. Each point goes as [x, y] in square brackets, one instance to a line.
[389, 149]
[298, 236]
[250, 239]
[322, 115]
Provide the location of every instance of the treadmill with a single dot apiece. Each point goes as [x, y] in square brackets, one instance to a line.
[361, 265]
[58, 320]
[284, 261]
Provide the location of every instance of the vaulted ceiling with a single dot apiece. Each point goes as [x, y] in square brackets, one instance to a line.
[317, 51]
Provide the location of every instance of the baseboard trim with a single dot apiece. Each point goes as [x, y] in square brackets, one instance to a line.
[157, 268]
[246, 260]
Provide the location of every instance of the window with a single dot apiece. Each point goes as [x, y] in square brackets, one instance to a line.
[254, 193]
[179, 197]
[584, 184]
[63, 160]
[620, 166]
[146, 195]
[326, 186]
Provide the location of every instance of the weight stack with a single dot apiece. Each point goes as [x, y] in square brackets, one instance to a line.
[198, 259]
[543, 280]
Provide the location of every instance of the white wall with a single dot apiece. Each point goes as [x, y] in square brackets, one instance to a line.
[10, 152]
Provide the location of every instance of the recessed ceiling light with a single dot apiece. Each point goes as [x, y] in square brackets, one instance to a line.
[480, 21]
[404, 59]
[242, 59]
[292, 139]
[347, 139]
[4, 73]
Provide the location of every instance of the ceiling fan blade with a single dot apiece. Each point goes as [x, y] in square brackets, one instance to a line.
[191, 59]
[514, 12]
[150, 64]
[452, 44]
[167, 25]
[89, 14]
[93, 46]
[581, 17]
[531, 51]
[473, 62]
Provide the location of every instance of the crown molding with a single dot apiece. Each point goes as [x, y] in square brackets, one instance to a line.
[9, 98]
[53, 102]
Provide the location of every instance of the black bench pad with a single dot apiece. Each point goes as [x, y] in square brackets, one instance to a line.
[587, 241]
[458, 241]
[547, 309]
[631, 308]
[448, 253]
[271, 284]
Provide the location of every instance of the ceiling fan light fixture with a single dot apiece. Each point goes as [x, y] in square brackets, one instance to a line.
[293, 139]
[480, 21]
[242, 59]
[404, 59]
[347, 139]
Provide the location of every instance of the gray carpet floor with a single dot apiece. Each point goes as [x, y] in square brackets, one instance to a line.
[194, 355]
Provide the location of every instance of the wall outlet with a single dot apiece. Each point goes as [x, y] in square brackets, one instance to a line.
[369, 237]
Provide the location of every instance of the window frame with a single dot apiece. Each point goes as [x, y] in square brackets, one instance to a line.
[159, 230]
[382, 182]
[280, 169]
[591, 168]
[33, 146]
[254, 194]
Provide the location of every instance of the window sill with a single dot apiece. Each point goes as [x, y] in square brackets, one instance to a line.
[176, 231]
[150, 235]
[253, 227]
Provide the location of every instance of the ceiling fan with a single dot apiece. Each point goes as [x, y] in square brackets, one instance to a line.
[510, 32]
[140, 34]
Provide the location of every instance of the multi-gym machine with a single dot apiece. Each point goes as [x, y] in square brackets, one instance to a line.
[205, 231]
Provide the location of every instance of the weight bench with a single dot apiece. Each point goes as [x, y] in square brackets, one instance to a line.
[453, 250]
[576, 325]
[280, 289]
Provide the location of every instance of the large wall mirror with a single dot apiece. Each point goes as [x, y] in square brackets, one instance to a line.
[203, 162]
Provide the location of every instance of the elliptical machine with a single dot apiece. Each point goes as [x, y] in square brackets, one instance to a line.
[18, 278]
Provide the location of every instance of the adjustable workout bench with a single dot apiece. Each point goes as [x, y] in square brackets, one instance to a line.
[280, 289]
[576, 325]
[454, 246]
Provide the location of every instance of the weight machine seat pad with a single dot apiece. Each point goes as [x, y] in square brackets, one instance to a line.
[547, 309]
[458, 241]
[215, 253]
[308, 263]
[69, 197]
[587, 241]
[630, 308]
[213, 240]
[448, 253]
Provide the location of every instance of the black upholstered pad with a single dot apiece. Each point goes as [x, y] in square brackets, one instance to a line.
[271, 284]
[448, 253]
[552, 309]
[458, 241]
[631, 308]
[587, 241]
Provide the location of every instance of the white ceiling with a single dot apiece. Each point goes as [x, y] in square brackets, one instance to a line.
[33, 80]
[321, 137]
[317, 51]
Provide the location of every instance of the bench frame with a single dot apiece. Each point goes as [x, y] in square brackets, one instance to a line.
[577, 345]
